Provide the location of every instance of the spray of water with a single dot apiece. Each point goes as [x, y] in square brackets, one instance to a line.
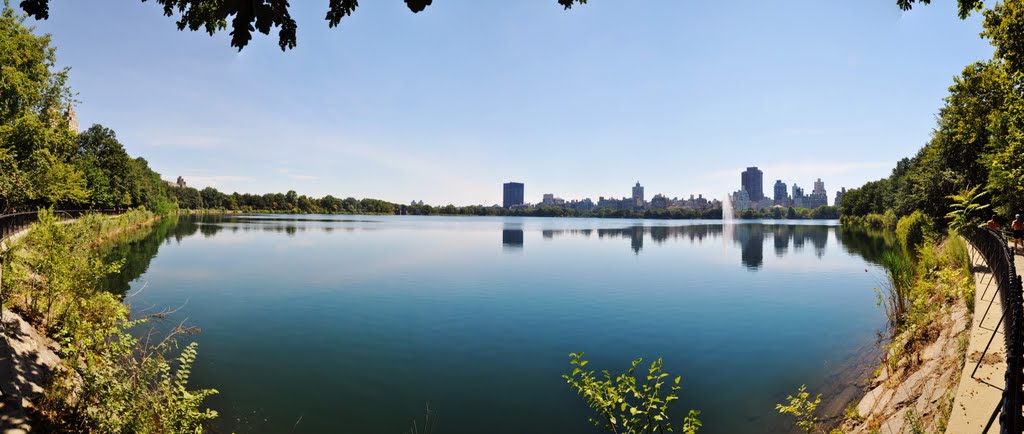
[727, 222]
[727, 212]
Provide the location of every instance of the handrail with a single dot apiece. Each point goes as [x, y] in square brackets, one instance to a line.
[999, 258]
[11, 224]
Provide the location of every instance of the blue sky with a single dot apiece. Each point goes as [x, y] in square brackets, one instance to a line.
[445, 105]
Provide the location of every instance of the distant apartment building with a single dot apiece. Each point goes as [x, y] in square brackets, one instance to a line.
[781, 194]
[581, 205]
[638, 195]
[741, 200]
[819, 187]
[818, 196]
[180, 183]
[839, 196]
[698, 202]
[659, 202]
[513, 194]
[752, 181]
[798, 197]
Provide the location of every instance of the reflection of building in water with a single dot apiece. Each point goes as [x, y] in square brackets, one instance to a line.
[512, 238]
[637, 238]
[781, 235]
[750, 237]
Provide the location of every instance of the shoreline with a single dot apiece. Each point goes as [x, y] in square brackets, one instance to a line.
[28, 356]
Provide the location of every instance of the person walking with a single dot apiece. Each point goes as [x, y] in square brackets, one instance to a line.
[993, 223]
[1018, 232]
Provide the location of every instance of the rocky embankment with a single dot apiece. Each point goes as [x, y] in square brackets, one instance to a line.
[914, 391]
[27, 359]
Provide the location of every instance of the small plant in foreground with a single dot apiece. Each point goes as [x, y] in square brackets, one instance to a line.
[624, 406]
[852, 413]
[802, 408]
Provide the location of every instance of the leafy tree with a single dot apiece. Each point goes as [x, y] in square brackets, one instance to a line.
[31, 84]
[1004, 26]
[55, 182]
[106, 165]
[13, 182]
[212, 199]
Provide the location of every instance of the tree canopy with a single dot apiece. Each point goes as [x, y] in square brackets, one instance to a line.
[247, 16]
[965, 6]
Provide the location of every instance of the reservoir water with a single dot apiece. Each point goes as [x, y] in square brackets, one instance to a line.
[356, 323]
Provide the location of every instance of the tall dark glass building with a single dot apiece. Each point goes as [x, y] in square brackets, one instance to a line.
[753, 182]
[513, 194]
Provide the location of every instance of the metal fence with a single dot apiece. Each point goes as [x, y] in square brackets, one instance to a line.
[992, 247]
[11, 224]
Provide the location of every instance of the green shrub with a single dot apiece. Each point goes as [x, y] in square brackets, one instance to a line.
[120, 385]
[802, 408]
[914, 229]
[895, 295]
[624, 406]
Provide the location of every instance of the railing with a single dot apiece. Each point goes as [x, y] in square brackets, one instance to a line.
[11, 224]
[999, 257]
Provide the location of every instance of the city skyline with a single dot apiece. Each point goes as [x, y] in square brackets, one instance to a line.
[670, 81]
[750, 194]
[751, 179]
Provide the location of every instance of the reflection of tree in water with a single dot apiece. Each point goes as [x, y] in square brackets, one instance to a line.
[870, 244]
[137, 250]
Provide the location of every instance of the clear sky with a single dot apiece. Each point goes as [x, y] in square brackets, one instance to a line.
[446, 105]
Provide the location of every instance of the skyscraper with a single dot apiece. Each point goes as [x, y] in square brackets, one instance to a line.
[818, 196]
[513, 194]
[638, 195]
[819, 187]
[839, 196]
[780, 192]
[752, 181]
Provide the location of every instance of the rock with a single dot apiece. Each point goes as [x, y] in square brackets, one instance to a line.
[26, 362]
[936, 349]
[924, 402]
[960, 321]
[883, 374]
[895, 423]
[870, 400]
[909, 388]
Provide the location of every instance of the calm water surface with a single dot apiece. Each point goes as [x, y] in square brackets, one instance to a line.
[355, 323]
